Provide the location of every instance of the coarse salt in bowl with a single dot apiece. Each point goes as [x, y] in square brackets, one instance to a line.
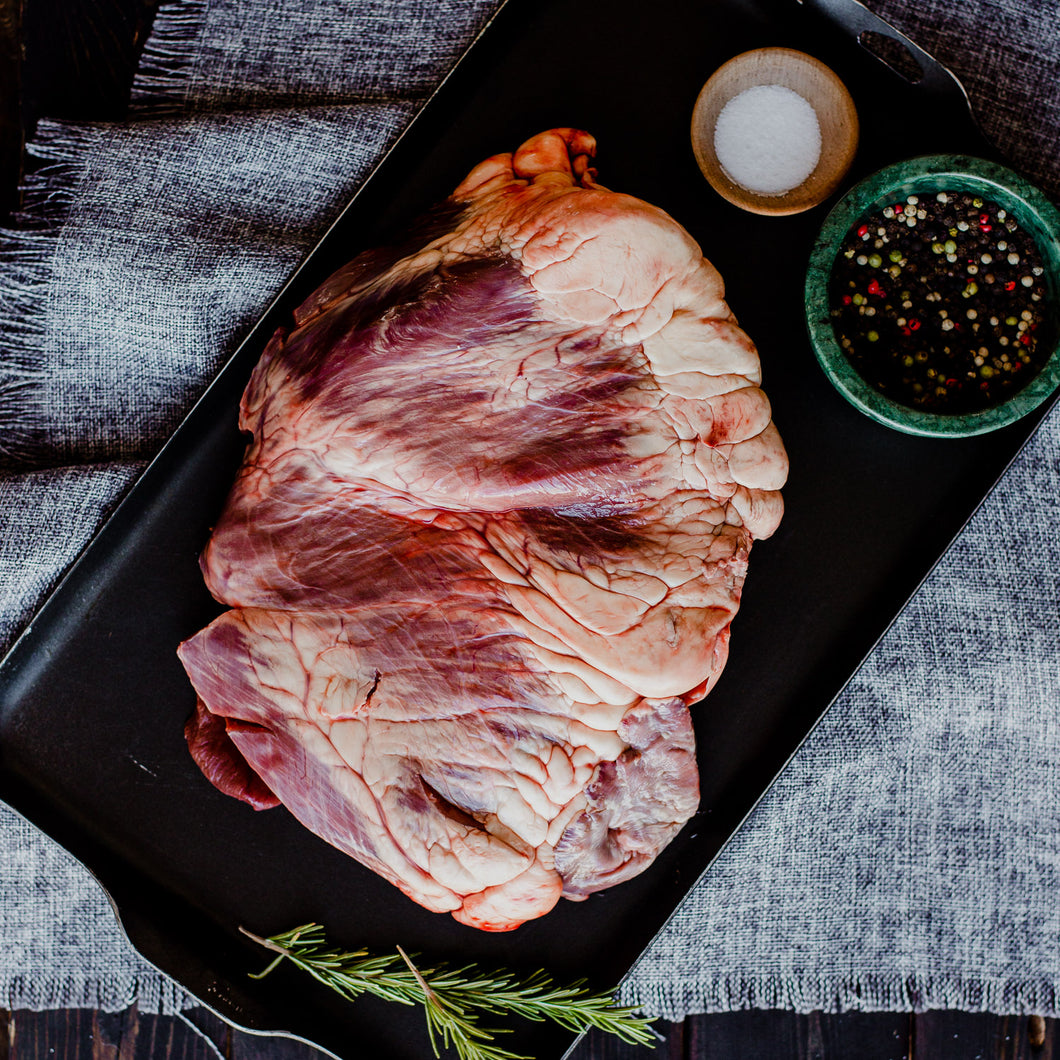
[774, 131]
[768, 139]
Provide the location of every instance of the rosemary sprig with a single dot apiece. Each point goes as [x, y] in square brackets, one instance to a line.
[452, 997]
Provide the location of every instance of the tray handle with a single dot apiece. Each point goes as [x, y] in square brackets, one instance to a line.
[855, 20]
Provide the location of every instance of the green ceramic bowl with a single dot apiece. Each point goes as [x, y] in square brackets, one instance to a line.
[933, 174]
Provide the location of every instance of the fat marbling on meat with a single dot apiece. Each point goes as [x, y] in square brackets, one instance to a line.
[486, 544]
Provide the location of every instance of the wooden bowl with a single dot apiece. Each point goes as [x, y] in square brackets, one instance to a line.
[812, 80]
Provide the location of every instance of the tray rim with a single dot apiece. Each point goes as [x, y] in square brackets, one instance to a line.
[53, 599]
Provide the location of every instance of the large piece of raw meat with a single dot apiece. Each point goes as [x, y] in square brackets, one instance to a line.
[485, 546]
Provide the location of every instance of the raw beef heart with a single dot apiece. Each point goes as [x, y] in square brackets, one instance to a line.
[486, 543]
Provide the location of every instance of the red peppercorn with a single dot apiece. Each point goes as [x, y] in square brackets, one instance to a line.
[912, 366]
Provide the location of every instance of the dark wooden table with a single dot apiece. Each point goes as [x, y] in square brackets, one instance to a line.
[82, 1034]
[76, 59]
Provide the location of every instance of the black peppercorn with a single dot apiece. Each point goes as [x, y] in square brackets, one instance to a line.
[953, 339]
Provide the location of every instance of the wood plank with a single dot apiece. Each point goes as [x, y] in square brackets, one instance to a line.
[36, 1035]
[773, 1035]
[858, 1035]
[792, 1036]
[171, 1038]
[733, 1035]
[114, 1034]
[599, 1046]
[211, 1029]
[158, 1040]
[965, 1036]
[83, 1034]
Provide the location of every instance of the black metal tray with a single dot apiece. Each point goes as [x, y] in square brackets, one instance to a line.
[93, 699]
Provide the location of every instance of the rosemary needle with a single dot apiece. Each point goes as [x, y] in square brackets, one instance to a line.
[453, 997]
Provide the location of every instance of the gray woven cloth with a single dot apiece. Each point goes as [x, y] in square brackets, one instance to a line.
[907, 858]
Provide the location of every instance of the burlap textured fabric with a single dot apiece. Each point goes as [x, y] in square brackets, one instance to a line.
[908, 857]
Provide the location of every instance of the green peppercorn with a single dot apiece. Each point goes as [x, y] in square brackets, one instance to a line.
[931, 351]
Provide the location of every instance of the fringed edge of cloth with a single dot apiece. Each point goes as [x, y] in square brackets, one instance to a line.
[57, 159]
[851, 993]
[151, 991]
[164, 76]
[57, 163]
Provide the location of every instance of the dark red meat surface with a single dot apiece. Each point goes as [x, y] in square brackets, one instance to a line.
[486, 544]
